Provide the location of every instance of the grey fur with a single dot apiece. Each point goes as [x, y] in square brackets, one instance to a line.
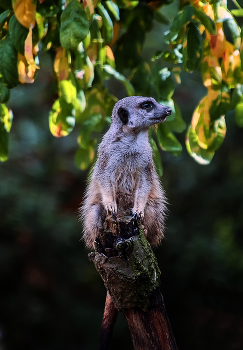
[124, 177]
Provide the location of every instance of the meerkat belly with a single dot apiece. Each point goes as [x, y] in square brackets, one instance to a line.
[126, 180]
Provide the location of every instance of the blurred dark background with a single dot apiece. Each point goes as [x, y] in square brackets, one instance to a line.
[51, 296]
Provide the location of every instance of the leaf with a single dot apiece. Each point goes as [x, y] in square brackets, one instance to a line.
[74, 25]
[4, 93]
[167, 140]
[194, 47]
[221, 104]
[107, 24]
[87, 128]
[85, 157]
[111, 71]
[61, 121]
[237, 13]
[182, 18]
[169, 103]
[60, 65]
[140, 78]
[239, 114]
[18, 34]
[8, 63]
[84, 69]
[114, 9]
[68, 91]
[156, 157]
[3, 16]
[177, 124]
[24, 11]
[164, 82]
[205, 20]
[232, 32]
[200, 155]
[236, 96]
[6, 117]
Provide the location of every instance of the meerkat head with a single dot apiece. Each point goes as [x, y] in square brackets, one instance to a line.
[136, 113]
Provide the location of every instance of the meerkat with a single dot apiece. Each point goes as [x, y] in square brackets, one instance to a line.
[124, 180]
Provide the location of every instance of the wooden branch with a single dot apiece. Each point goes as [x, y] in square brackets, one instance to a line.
[124, 259]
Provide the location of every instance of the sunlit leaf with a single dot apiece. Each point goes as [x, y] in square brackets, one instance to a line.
[239, 113]
[200, 155]
[107, 24]
[68, 91]
[236, 96]
[84, 69]
[238, 12]
[60, 65]
[113, 8]
[61, 120]
[167, 140]
[74, 25]
[24, 11]
[6, 117]
[164, 82]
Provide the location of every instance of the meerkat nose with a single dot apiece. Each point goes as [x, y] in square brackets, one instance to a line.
[168, 111]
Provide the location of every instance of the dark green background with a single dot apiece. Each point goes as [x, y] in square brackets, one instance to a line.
[51, 296]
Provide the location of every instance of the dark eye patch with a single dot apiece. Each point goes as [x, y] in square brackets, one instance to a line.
[123, 114]
[147, 105]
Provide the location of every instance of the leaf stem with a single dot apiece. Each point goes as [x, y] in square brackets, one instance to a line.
[236, 4]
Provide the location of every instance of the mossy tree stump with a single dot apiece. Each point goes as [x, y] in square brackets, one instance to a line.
[125, 260]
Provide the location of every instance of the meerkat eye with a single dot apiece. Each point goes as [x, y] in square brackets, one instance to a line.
[148, 106]
[123, 115]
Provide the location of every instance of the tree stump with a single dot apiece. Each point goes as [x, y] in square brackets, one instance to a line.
[126, 262]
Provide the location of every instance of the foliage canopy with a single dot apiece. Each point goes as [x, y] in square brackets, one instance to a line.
[94, 41]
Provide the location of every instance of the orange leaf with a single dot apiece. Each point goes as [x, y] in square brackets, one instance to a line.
[25, 11]
[61, 64]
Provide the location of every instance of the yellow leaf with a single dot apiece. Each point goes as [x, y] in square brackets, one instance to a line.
[25, 11]
[61, 66]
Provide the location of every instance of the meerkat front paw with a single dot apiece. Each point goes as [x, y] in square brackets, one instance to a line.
[111, 208]
[137, 214]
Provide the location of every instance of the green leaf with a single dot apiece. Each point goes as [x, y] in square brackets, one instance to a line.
[177, 124]
[4, 16]
[61, 120]
[107, 24]
[114, 9]
[156, 157]
[84, 69]
[74, 25]
[199, 154]
[164, 82]
[127, 4]
[194, 47]
[4, 93]
[167, 140]
[182, 18]
[6, 117]
[140, 78]
[18, 34]
[236, 96]
[87, 128]
[111, 71]
[239, 114]
[232, 32]
[68, 91]
[205, 20]
[237, 13]
[85, 157]
[8, 63]
[221, 104]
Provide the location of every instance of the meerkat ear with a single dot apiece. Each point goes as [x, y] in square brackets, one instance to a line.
[123, 115]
